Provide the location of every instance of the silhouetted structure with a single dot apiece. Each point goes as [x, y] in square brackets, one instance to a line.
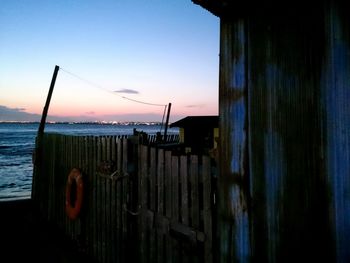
[284, 110]
[198, 133]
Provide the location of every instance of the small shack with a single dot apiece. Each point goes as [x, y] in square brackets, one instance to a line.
[198, 133]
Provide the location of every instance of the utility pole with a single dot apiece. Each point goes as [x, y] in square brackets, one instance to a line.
[167, 121]
[47, 104]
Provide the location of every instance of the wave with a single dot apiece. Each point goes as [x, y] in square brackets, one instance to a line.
[5, 146]
[9, 185]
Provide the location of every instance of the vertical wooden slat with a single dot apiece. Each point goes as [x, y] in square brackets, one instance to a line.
[109, 229]
[69, 164]
[160, 204]
[173, 250]
[89, 195]
[125, 196]
[59, 172]
[194, 207]
[153, 204]
[98, 203]
[143, 181]
[104, 202]
[194, 191]
[80, 223]
[185, 204]
[207, 209]
[119, 201]
[168, 185]
[95, 197]
[175, 187]
[184, 190]
[50, 175]
[160, 181]
[75, 158]
[113, 223]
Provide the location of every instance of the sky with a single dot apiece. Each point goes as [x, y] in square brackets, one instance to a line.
[112, 54]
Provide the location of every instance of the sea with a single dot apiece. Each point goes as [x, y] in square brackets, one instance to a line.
[17, 142]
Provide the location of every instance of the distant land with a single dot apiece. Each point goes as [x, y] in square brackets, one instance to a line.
[20, 115]
[126, 123]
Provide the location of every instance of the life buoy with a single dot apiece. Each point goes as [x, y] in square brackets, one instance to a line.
[73, 207]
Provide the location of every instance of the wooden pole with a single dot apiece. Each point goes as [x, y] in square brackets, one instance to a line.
[167, 121]
[47, 104]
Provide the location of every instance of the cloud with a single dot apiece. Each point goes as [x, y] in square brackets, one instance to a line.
[90, 112]
[17, 114]
[195, 106]
[128, 91]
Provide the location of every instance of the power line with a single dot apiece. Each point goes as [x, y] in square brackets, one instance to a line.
[114, 93]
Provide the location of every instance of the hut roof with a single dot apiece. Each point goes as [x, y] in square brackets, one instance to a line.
[197, 121]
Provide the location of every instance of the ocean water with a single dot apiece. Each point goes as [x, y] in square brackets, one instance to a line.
[17, 142]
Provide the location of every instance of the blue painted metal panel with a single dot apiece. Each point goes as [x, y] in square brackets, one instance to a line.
[235, 241]
[284, 130]
[336, 95]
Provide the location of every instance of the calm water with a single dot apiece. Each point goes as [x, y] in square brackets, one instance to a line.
[17, 141]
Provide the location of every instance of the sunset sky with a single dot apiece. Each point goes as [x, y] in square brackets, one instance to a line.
[152, 51]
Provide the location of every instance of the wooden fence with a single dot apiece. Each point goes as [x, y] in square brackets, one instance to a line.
[140, 203]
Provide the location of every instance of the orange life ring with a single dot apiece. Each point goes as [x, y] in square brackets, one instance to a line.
[73, 210]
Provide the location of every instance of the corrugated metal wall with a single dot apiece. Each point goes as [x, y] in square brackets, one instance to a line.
[284, 132]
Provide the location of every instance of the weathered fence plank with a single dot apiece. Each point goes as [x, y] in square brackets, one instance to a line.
[172, 247]
[207, 209]
[184, 190]
[171, 212]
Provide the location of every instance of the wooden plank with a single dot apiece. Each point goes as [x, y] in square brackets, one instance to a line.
[65, 161]
[175, 187]
[143, 200]
[113, 223]
[175, 205]
[99, 205]
[125, 198]
[207, 209]
[160, 182]
[152, 178]
[119, 202]
[167, 185]
[153, 198]
[103, 201]
[194, 191]
[184, 190]
[69, 163]
[109, 229]
[160, 204]
[89, 195]
[58, 181]
[75, 158]
[80, 148]
[94, 197]
[50, 176]
[185, 211]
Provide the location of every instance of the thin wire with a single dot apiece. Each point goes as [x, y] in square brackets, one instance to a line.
[99, 87]
[142, 102]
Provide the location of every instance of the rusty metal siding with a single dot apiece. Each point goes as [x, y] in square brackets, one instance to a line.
[290, 212]
[336, 98]
[233, 113]
[285, 135]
